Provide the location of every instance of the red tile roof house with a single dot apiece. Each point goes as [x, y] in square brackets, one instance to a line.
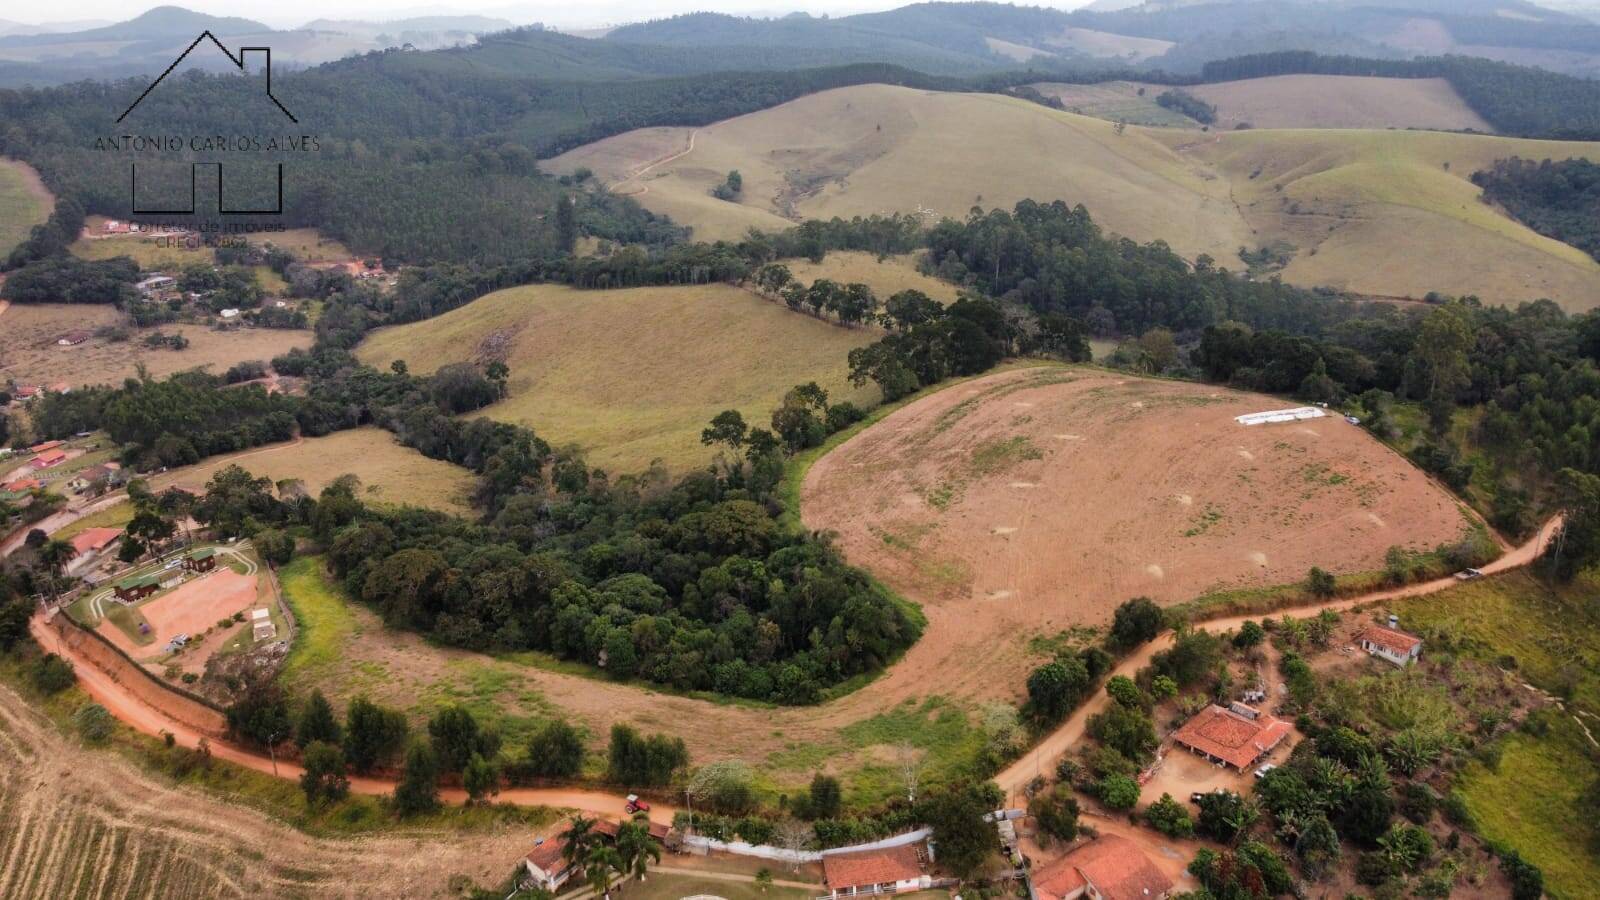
[93, 540]
[23, 484]
[49, 458]
[47, 445]
[886, 871]
[1390, 644]
[1237, 736]
[1109, 867]
[545, 866]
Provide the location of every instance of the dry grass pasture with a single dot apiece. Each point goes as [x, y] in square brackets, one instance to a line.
[882, 149]
[1379, 212]
[24, 202]
[389, 472]
[82, 823]
[30, 354]
[631, 375]
[886, 278]
[1039, 499]
[1338, 101]
[1394, 213]
[1102, 44]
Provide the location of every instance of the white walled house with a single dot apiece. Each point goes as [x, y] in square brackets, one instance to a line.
[1390, 644]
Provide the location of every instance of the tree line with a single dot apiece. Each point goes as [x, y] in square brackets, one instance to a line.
[1560, 200]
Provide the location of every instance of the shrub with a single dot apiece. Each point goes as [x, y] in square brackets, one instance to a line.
[1136, 621]
[51, 674]
[1169, 817]
[93, 722]
[555, 751]
[1118, 791]
[1056, 811]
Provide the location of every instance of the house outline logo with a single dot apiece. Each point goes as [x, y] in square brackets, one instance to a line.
[238, 61]
[194, 167]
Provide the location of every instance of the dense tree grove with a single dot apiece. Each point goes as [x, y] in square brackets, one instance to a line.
[1183, 102]
[68, 279]
[1556, 199]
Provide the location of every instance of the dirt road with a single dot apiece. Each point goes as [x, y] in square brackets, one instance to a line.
[58, 520]
[1042, 759]
[145, 718]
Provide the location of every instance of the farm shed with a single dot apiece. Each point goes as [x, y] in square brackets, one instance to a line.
[1390, 644]
[1236, 736]
[130, 590]
[202, 560]
[886, 871]
[49, 459]
[545, 866]
[1109, 867]
[261, 627]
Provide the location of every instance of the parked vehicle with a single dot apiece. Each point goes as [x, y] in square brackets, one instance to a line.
[635, 805]
[1262, 772]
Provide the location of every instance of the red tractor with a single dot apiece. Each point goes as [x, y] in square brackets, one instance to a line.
[635, 805]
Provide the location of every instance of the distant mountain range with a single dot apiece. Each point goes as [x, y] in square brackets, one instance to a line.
[936, 38]
[149, 42]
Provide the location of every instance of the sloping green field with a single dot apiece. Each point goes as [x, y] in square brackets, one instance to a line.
[631, 375]
[24, 203]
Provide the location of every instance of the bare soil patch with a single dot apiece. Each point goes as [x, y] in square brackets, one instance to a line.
[916, 499]
[190, 609]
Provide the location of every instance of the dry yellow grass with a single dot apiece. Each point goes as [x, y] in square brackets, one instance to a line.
[1395, 212]
[1116, 101]
[24, 202]
[631, 375]
[389, 472]
[880, 149]
[1380, 212]
[30, 354]
[891, 276]
[1338, 101]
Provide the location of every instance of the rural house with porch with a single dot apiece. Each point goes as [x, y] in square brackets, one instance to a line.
[886, 871]
[1236, 735]
[1390, 644]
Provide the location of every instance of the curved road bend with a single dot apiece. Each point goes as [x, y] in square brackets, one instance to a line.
[1041, 760]
[153, 721]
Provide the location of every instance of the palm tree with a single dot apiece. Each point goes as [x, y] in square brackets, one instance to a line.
[603, 861]
[636, 847]
[581, 838]
[54, 555]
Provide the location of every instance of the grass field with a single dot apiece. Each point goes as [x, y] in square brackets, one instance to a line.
[24, 203]
[389, 472]
[1371, 211]
[30, 353]
[306, 244]
[878, 149]
[1339, 101]
[886, 278]
[631, 375]
[1533, 799]
[1374, 211]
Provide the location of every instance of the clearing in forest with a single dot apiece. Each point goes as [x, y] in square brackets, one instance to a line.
[30, 353]
[24, 203]
[1037, 500]
[389, 472]
[632, 375]
[887, 277]
[1338, 101]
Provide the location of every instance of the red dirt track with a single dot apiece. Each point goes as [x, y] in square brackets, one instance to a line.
[1030, 501]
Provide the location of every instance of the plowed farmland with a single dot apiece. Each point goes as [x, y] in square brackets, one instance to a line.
[79, 823]
[1042, 498]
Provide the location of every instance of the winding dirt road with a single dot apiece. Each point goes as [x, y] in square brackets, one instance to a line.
[142, 716]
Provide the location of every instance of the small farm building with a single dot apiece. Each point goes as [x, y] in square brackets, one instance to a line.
[134, 589]
[1237, 735]
[202, 560]
[1390, 644]
[545, 866]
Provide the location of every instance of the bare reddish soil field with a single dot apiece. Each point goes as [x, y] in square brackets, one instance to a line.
[1031, 501]
[189, 609]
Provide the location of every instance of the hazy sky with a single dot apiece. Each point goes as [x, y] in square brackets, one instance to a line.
[291, 13]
